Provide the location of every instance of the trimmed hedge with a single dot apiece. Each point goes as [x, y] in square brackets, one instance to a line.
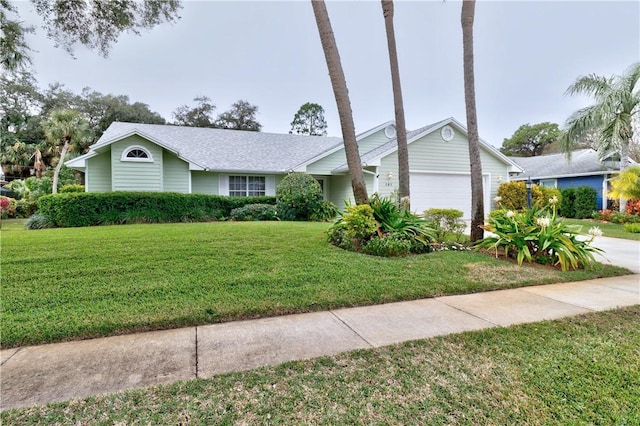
[109, 208]
[585, 203]
[514, 195]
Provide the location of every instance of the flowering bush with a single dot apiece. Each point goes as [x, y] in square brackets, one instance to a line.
[538, 235]
[604, 215]
[633, 207]
[7, 207]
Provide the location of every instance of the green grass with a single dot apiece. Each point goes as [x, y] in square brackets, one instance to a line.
[581, 370]
[612, 230]
[73, 283]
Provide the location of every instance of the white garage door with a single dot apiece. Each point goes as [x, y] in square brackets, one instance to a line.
[443, 191]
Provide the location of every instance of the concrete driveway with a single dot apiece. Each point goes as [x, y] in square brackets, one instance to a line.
[619, 252]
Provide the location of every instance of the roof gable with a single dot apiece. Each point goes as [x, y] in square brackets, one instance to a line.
[222, 150]
[374, 156]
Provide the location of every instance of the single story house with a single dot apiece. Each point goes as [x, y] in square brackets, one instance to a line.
[584, 168]
[150, 157]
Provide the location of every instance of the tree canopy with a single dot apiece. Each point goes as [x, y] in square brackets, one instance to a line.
[531, 140]
[93, 24]
[24, 107]
[241, 116]
[309, 120]
[617, 101]
[200, 115]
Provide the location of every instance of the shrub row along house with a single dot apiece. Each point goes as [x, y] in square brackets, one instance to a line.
[149, 157]
[584, 168]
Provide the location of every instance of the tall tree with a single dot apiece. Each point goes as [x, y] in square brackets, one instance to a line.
[241, 116]
[617, 102]
[64, 127]
[309, 120]
[341, 94]
[14, 50]
[477, 196]
[531, 140]
[200, 115]
[401, 129]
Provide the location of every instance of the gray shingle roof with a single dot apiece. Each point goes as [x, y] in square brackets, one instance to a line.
[228, 150]
[582, 162]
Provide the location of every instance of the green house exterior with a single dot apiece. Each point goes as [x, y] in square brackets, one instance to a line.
[143, 157]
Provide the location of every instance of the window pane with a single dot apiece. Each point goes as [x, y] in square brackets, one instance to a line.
[137, 153]
[238, 186]
[257, 186]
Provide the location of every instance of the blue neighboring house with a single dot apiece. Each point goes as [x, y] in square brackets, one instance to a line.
[585, 168]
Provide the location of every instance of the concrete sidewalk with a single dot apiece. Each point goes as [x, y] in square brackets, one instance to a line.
[40, 374]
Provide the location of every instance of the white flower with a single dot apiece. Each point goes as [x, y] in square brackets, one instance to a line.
[553, 200]
[511, 213]
[543, 221]
[594, 231]
[497, 199]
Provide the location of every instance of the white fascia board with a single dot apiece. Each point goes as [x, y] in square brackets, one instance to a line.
[568, 175]
[369, 132]
[302, 167]
[249, 172]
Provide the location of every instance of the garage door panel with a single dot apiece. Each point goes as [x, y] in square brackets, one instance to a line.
[441, 190]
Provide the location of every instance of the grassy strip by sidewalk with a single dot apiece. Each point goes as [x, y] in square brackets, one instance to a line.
[62, 284]
[581, 370]
[608, 229]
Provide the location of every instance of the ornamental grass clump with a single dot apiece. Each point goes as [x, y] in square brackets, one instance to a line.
[537, 235]
[381, 228]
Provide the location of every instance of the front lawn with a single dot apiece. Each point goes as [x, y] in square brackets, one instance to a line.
[608, 229]
[574, 371]
[73, 283]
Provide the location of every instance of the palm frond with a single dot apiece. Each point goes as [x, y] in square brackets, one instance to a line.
[594, 85]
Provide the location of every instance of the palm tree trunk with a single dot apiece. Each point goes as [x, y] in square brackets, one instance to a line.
[401, 130]
[477, 196]
[56, 172]
[341, 93]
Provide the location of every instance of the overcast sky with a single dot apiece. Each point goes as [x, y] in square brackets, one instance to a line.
[269, 53]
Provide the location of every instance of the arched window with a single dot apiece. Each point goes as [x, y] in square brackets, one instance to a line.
[136, 153]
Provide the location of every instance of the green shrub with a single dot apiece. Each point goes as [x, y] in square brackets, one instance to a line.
[621, 218]
[445, 222]
[513, 195]
[324, 212]
[634, 228]
[72, 187]
[359, 222]
[381, 228]
[567, 208]
[388, 245]
[298, 196]
[95, 208]
[585, 202]
[538, 235]
[39, 221]
[254, 212]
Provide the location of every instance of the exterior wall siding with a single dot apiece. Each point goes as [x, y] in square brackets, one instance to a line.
[432, 154]
[372, 141]
[175, 173]
[204, 183]
[594, 182]
[136, 175]
[99, 173]
[340, 189]
[328, 163]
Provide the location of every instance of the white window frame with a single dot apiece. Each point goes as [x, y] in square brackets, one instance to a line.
[548, 183]
[126, 152]
[247, 190]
